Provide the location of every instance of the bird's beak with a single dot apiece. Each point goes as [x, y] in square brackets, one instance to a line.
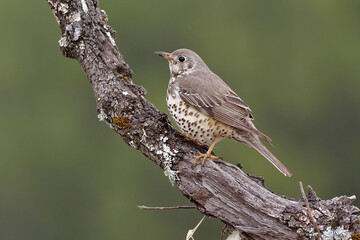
[164, 55]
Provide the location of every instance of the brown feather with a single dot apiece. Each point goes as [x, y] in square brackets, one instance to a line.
[214, 98]
[259, 146]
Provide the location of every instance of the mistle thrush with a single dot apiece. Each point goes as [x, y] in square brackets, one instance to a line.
[207, 110]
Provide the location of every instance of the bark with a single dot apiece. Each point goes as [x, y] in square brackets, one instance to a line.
[219, 189]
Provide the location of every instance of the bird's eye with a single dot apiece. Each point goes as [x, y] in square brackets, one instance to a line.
[181, 59]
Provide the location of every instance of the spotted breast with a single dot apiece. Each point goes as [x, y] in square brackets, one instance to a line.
[193, 123]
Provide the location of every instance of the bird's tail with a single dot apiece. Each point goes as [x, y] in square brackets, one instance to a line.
[255, 143]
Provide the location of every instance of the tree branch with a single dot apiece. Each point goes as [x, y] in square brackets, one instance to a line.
[219, 189]
[165, 208]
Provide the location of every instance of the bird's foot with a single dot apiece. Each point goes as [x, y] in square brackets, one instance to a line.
[204, 156]
[190, 140]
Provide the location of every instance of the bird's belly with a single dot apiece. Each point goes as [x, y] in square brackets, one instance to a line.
[195, 124]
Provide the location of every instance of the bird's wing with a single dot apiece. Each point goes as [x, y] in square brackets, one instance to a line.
[213, 97]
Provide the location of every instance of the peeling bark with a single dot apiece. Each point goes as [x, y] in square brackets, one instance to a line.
[219, 189]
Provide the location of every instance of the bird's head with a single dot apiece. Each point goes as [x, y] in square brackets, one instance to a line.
[183, 61]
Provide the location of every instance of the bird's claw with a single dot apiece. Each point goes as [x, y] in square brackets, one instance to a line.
[204, 156]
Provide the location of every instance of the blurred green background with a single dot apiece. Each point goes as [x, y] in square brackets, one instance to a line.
[65, 175]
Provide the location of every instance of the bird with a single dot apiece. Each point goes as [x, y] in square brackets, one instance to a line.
[207, 110]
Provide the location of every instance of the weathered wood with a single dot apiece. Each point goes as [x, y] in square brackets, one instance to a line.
[218, 189]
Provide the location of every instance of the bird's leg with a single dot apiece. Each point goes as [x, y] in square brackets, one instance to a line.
[207, 154]
[189, 139]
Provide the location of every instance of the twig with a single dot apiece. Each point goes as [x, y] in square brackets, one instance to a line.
[166, 208]
[309, 210]
[224, 230]
[192, 231]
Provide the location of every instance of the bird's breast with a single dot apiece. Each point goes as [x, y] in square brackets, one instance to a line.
[195, 124]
